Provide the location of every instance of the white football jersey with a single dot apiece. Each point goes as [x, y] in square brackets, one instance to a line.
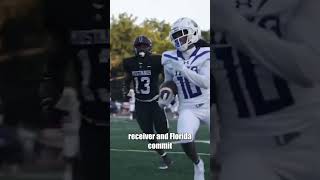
[189, 93]
[252, 97]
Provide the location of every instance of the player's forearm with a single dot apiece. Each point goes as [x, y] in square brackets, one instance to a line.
[167, 75]
[202, 79]
[291, 60]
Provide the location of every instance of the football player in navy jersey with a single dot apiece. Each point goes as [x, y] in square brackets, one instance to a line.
[143, 69]
[78, 31]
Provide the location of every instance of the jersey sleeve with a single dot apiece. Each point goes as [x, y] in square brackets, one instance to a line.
[167, 73]
[158, 65]
[125, 65]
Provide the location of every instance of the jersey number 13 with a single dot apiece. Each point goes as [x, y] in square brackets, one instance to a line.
[142, 85]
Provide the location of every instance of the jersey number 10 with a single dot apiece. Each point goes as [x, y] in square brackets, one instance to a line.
[260, 103]
[187, 90]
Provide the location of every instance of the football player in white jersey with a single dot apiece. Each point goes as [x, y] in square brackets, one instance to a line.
[189, 67]
[268, 92]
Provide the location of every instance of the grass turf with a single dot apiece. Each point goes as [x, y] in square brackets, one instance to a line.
[130, 159]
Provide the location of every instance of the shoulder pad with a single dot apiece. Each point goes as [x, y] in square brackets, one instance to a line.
[202, 55]
[172, 55]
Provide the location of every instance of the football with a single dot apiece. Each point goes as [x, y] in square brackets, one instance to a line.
[168, 91]
[169, 85]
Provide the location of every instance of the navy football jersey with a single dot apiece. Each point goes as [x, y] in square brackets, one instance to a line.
[144, 73]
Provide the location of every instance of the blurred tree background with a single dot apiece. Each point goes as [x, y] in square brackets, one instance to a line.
[124, 29]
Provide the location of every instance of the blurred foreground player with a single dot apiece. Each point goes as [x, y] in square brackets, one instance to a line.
[79, 33]
[143, 70]
[267, 76]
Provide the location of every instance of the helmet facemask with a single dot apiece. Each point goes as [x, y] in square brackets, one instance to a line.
[142, 50]
[184, 33]
[181, 39]
[142, 46]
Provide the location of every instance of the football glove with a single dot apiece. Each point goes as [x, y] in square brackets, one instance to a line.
[168, 91]
[177, 65]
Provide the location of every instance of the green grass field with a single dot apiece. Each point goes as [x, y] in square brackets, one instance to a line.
[131, 160]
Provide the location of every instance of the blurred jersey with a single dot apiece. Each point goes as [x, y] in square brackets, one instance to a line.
[252, 98]
[82, 28]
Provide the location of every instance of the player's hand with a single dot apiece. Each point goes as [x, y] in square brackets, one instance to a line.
[223, 13]
[130, 93]
[178, 65]
[162, 104]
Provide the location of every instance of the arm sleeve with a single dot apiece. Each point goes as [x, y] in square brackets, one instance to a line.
[167, 75]
[166, 72]
[202, 78]
[294, 57]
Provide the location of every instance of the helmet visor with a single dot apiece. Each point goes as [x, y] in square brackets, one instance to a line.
[142, 46]
[180, 37]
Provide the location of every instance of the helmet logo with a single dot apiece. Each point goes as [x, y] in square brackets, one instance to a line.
[194, 23]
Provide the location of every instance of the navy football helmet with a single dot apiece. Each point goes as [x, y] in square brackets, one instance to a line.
[142, 46]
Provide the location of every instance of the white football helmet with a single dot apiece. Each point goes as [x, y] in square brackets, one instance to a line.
[184, 32]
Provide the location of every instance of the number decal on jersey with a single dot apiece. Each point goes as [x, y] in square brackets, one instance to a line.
[188, 89]
[100, 94]
[252, 87]
[145, 82]
[146, 85]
